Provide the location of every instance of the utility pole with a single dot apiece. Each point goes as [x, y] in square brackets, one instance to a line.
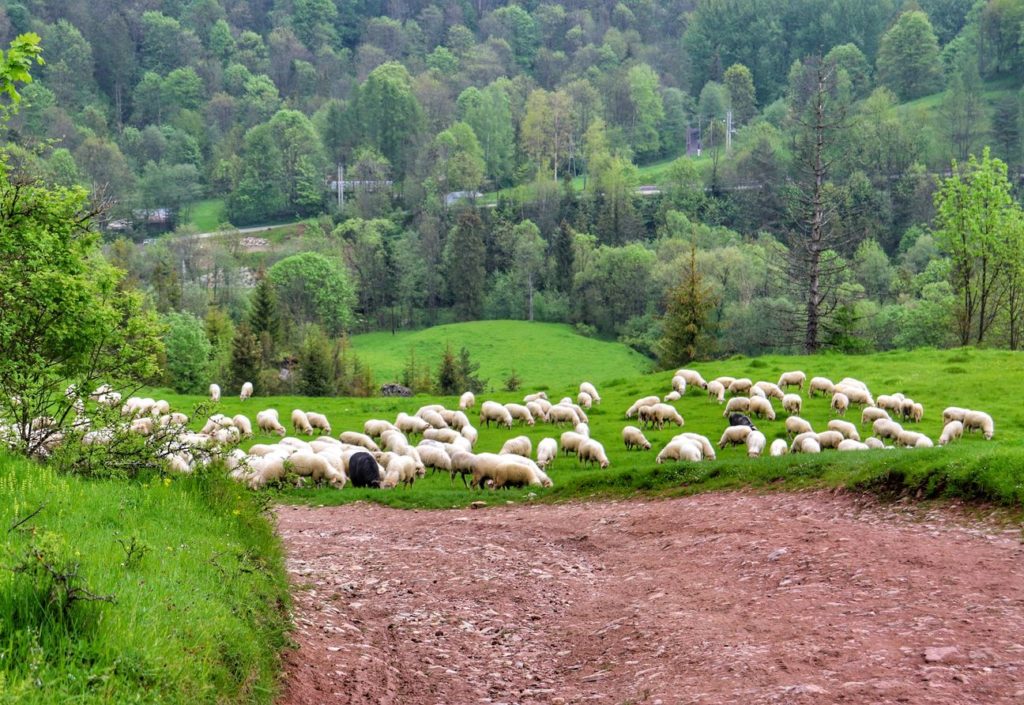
[728, 131]
[341, 187]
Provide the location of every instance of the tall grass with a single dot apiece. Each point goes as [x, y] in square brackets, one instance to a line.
[164, 591]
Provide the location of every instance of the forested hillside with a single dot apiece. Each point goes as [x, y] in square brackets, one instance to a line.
[811, 223]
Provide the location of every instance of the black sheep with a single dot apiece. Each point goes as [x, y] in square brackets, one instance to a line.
[362, 471]
[741, 420]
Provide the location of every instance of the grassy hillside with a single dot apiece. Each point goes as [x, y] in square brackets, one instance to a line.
[195, 575]
[542, 354]
[975, 468]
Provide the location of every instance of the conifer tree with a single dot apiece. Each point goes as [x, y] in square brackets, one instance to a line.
[245, 358]
[685, 334]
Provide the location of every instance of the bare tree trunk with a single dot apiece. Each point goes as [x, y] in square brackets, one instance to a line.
[529, 288]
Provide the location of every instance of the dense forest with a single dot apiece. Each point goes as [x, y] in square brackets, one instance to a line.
[531, 160]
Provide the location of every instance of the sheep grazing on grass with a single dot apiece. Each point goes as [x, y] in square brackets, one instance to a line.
[805, 443]
[434, 457]
[874, 443]
[886, 428]
[820, 384]
[854, 394]
[756, 391]
[300, 422]
[840, 403]
[547, 449]
[444, 435]
[354, 438]
[243, 424]
[679, 385]
[246, 392]
[400, 469]
[590, 390]
[672, 396]
[692, 377]
[792, 403]
[953, 413]
[215, 392]
[570, 441]
[913, 439]
[889, 402]
[461, 464]
[520, 413]
[319, 422]
[680, 449]
[706, 448]
[585, 400]
[634, 438]
[536, 396]
[760, 406]
[755, 444]
[374, 427]
[849, 444]
[872, 414]
[559, 414]
[952, 431]
[740, 386]
[645, 402]
[796, 378]
[844, 427]
[266, 470]
[493, 411]
[772, 391]
[716, 391]
[411, 424]
[796, 425]
[778, 447]
[316, 467]
[520, 445]
[470, 434]
[736, 404]
[830, 439]
[661, 414]
[724, 380]
[432, 417]
[981, 421]
[916, 412]
[467, 400]
[590, 452]
[268, 422]
[734, 436]
[363, 470]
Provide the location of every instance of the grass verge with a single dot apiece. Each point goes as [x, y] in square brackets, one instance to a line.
[191, 576]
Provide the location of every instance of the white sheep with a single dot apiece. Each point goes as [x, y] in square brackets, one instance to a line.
[778, 447]
[805, 443]
[762, 407]
[434, 456]
[913, 439]
[792, 403]
[706, 447]
[872, 414]
[470, 434]
[680, 449]
[319, 422]
[716, 390]
[840, 403]
[679, 385]
[246, 392]
[410, 424]
[849, 444]
[854, 394]
[886, 428]
[520, 413]
[467, 400]
[916, 412]
[214, 392]
[559, 414]
[725, 380]
[300, 422]
[755, 444]
[820, 384]
[979, 420]
[493, 411]
[634, 438]
[547, 449]
[736, 404]
[646, 401]
[400, 469]
[570, 441]
[590, 451]
[740, 386]
[734, 436]
[953, 413]
[796, 425]
[672, 396]
[951, 432]
[268, 422]
[590, 390]
[243, 424]
[844, 427]
[432, 417]
[363, 440]
[796, 378]
[584, 400]
[537, 410]
[692, 377]
[830, 439]
[770, 390]
[756, 391]
[374, 427]
[874, 443]
[889, 402]
[536, 396]
[664, 413]
[443, 435]
[520, 445]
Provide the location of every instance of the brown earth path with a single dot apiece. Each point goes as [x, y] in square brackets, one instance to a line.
[718, 598]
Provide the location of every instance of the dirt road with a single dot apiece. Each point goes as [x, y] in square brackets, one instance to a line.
[719, 598]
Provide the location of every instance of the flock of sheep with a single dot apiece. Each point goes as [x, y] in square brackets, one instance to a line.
[383, 455]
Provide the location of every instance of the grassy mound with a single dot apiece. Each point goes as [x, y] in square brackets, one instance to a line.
[543, 355]
[195, 580]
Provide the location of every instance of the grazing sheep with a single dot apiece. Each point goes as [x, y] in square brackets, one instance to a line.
[778, 447]
[830, 439]
[849, 444]
[706, 448]
[462, 464]
[740, 386]
[470, 434]
[663, 413]
[886, 428]
[571, 441]
[634, 438]
[679, 385]
[296, 443]
[537, 411]
[741, 420]
[854, 394]
[401, 469]
[760, 406]
[913, 439]
[796, 378]
[840, 403]
[672, 396]
[363, 440]
[889, 402]
[716, 390]
[590, 390]
[725, 380]
[316, 467]
[520, 413]
[692, 377]
[584, 400]
[143, 426]
[820, 384]
[951, 432]
[590, 451]
[680, 449]
[500, 472]
[318, 422]
[246, 392]
[559, 414]
[467, 400]
[268, 422]
[215, 392]
[736, 404]
[432, 417]
[411, 424]
[444, 435]
[300, 422]
[916, 412]
[243, 424]
[755, 444]
[374, 427]
[792, 403]
[734, 436]
[434, 457]
[953, 413]
[266, 470]
[772, 391]
[872, 414]
[520, 445]
[394, 441]
[979, 420]
[493, 411]
[756, 391]
[796, 425]
[844, 427]
[808, 445]
[547, 449]
[536, 396]
[874, 443]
